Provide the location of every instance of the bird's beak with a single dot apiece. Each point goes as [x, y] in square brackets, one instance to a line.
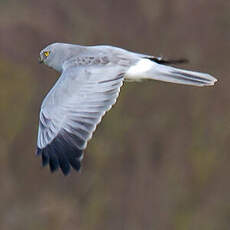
[40, 59]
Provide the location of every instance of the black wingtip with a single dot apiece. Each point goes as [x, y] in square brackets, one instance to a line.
[163, 61]
[61, 153]
[76, 164]
[38, 151]
[45, 159]
[53, 163]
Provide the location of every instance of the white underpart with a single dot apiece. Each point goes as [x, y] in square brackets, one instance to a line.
[139, 70]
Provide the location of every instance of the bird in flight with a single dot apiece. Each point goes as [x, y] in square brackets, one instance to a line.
[90, 81]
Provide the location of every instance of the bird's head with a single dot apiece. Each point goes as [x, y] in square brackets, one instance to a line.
[54, 55]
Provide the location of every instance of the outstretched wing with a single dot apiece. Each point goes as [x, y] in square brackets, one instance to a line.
[71, 111]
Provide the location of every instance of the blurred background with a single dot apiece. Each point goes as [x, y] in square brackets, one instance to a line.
[159, 159]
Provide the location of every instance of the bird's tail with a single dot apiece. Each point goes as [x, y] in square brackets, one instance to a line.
[147, 69]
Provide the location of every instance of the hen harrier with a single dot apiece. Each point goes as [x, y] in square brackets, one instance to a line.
[90, 81]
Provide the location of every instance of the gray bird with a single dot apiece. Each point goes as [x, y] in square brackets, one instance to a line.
[90, 81]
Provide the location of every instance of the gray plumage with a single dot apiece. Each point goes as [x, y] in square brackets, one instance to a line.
[89, 85]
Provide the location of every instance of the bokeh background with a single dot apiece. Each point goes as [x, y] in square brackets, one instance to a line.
[159, 159]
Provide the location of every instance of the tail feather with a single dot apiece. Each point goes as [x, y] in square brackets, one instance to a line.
[180, 76]
[147, 69]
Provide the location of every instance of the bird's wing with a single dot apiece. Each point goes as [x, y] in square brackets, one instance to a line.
[71, 111]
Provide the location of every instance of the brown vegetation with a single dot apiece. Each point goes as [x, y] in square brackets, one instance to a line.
[160, 158]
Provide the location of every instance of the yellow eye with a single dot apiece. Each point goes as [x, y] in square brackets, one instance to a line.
[47, 53]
